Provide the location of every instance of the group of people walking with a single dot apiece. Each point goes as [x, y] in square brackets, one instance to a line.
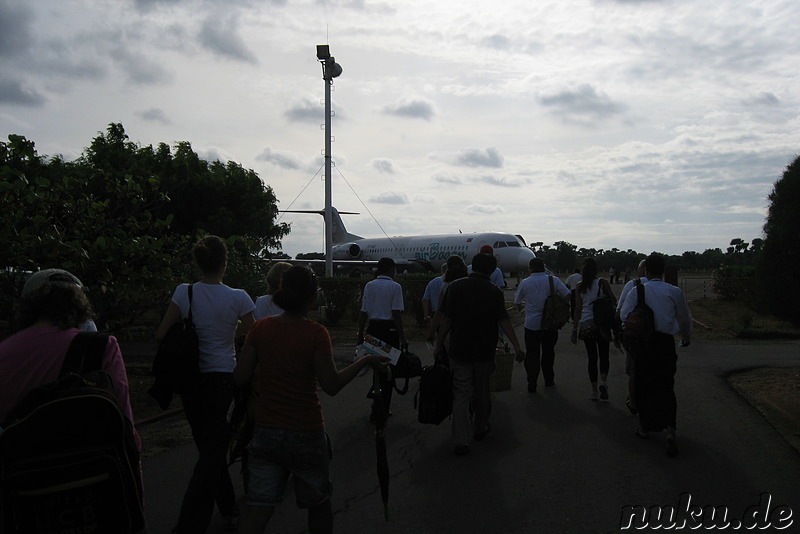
[272, 348]
[598, 320]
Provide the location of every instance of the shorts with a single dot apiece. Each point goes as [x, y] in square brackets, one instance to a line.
[274, 454]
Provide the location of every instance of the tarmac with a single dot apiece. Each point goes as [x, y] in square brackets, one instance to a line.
[554, 462]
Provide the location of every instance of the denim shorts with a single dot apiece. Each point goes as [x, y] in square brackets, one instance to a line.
[274, 454]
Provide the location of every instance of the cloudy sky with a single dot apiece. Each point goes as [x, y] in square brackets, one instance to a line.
[635, 124]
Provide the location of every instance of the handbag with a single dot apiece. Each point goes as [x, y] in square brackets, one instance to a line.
[176, 365]
[408, 366]
[603, 309]
[556, 310]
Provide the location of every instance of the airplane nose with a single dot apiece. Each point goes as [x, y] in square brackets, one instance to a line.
[524, 258]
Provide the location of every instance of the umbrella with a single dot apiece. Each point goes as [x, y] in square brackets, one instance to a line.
[379, 416]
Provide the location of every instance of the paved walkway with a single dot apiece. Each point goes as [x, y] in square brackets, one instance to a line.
[555, 461]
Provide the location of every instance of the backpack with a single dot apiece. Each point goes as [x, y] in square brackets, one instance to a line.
[176, 365]
[68, 457]
[435, 394]
[640, 323]
[556, 310]
[603, 309]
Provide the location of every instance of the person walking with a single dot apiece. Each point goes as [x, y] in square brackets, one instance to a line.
[656, 359]
[630, 363]
[285, 357]
[265, 305]
[381, 315]
[596, 337]
[540, 343]
[472, 309]
[217, 311]
[572, 283]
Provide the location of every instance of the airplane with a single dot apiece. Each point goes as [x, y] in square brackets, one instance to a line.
[424, 252]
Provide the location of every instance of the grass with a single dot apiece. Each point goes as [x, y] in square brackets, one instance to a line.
[737, 320]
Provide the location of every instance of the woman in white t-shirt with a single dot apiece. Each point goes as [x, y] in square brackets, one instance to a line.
[265, 306]
[217, 311]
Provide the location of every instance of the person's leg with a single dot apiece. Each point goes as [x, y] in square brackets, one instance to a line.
[532, 360]
[387, 332]
[462, 396]
[591, 353]
[602, 350]
[206, 410]
[549, 340]
[482, 394]
[255, 519]
[320, 519]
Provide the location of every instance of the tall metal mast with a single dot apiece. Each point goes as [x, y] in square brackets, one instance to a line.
[330, 70]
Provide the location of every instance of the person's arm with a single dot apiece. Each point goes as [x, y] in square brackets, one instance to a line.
[362, 323]
[508, 328]
[444, 327]
[397, 317]
[246, 321]
[245, 366]
[684, 317]
[332, 381]
[172, 316]
[426, 309]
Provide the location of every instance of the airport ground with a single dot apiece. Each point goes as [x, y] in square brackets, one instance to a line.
[555, 461]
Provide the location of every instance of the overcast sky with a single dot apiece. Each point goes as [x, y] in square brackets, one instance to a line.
[646, 125]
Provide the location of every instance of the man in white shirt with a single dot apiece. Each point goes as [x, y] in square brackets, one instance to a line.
[656, 359]
[630, 402]
[430, 298]
[381, 314]
[540, 344]
[497, 277]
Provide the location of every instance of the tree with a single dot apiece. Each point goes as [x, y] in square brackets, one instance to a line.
[779, 268]
[124, 218]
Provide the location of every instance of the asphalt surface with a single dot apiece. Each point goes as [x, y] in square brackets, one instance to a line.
[555, 461]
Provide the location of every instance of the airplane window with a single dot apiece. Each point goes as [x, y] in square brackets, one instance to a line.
[512, 243]
[499, 244]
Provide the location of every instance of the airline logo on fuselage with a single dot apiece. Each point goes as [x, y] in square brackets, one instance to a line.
[436, 253]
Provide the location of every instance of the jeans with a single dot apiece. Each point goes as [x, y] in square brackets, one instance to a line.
[537, 341]
[470, 389]
[206, 406]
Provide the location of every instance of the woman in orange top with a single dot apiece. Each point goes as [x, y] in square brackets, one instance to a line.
[286, 356]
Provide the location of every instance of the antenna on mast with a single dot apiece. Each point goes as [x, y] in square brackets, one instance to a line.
[330, 70]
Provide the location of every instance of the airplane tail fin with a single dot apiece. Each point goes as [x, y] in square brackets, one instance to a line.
[340, 233]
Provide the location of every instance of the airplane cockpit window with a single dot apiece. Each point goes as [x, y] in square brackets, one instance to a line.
[499, 244]
[513, 243]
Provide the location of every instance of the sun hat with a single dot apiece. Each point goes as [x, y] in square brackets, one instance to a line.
[49, 276]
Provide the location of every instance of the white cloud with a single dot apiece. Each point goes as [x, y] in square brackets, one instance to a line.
[671, 120]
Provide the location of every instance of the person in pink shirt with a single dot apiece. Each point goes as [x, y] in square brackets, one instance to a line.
[52, 306]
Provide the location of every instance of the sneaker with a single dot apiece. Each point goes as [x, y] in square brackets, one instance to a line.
[603, 392]
[594, 396]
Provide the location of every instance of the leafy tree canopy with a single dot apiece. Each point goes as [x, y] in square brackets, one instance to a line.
[124, 217]
[779, 269]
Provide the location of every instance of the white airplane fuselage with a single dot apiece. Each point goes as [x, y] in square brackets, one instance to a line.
[512, 255]
[430, 251]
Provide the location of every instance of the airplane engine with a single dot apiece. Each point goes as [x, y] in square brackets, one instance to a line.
[353, 251]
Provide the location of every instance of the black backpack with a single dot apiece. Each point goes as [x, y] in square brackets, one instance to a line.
[68, 456]
[640, 323]
[176, 365]
[603, 309]
[556, 310]
[435, 394]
